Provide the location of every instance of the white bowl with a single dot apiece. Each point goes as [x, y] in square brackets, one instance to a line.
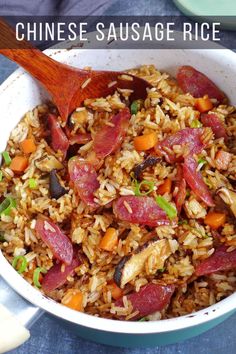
[20, 93]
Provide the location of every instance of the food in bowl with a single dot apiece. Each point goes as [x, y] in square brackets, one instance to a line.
[127, 211]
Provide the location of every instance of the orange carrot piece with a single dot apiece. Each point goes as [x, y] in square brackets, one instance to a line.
[215, 220]
[28, 146]
[145, 142]
[165, 187]
[79, 117]
[203, 104]
[223, 159]
[109, 240]
[116, 292]
[19, 164]
[73, 299]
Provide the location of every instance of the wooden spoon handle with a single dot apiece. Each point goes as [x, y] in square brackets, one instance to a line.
[40, 66]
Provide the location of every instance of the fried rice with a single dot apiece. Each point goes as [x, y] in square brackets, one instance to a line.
[189, 240]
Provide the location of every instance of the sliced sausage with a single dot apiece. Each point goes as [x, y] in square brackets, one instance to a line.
[55, 239]
[84, 177]
[220, 260]
[109, 138]
[195, 181]
[149, 299]
[140, 210]
[197, 84]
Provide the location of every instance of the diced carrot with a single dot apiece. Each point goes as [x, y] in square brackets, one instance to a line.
[116, 292]
[165, 187]
[223, 159]
[215, 220]
[109, 240]
[19, 164]
[145, 142]
[28, 146]
[203, 104]
[73, 299]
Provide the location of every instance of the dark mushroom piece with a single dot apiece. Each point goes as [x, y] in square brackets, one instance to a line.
[229, 197]
[47, 163]
[150, 161]
[55, 188]
[132, 265]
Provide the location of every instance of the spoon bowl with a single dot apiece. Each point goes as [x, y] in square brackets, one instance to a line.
[68, 86]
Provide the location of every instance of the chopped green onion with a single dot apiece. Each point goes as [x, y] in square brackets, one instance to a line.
[135, 106]
[137, 187]
[37, 272]
[208, 183]
[196, 124]
[166, 206]
[23, 264]
[161, 270]
[187, 193]
[6, 156]
[201, 162]
[33, 183]
[1, 176]
[182, 222]
[143, 319]
[7, 205]
[72, 158]
[2, 238]
[132, 175]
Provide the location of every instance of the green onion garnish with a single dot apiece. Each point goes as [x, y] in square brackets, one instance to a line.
[37, 272]
[208, 183]
[23, 264]
[137, 187]
[2, 238]
[72, 158]
[33, 183]
[187, 193]
[132, 175]
[201, 162]
[6, 156]
[161, 270]
[196, 124]
[1, 176]
[166, 206]
[143, 319]
[135, 106]
[182, 222]
[7, 205]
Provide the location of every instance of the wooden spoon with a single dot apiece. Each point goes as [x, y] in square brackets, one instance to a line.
[68, 86]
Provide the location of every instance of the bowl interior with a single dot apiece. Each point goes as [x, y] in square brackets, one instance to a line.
[20, 93]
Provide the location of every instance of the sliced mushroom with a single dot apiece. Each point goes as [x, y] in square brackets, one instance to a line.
[229, 197]
[130, 266]
[55, 188]
[150, 161]
[48, 163]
